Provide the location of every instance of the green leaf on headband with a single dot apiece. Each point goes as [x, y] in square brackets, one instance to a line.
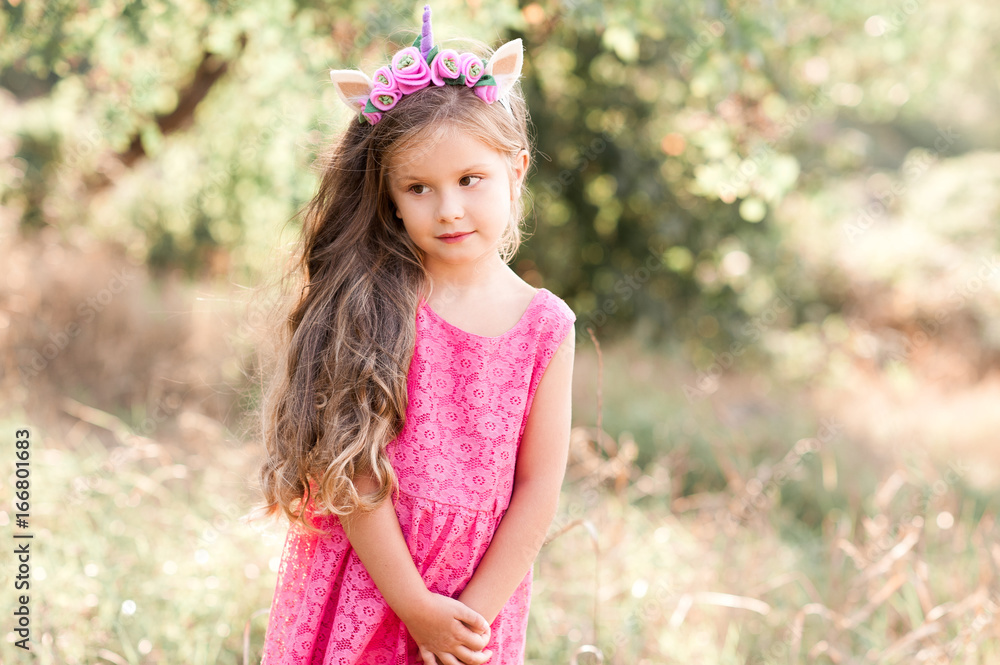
[487, 79]
[456, 81]
[371, 108]
[430, 54]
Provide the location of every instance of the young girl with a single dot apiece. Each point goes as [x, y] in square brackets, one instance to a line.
[418, 425]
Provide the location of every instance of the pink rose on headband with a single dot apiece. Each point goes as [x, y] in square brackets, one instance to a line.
[384, 78]
[444, 66]
[487, 93]
[372, 118]
[384, 99]
[410, 70]
[385, 93]
[471, 65]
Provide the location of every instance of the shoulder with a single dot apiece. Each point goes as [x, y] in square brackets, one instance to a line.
[554, 327]
[553, 312]
[557, 305]
[546, 313]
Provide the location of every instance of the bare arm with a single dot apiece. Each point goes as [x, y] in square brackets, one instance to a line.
[440, 624]
[541, 466]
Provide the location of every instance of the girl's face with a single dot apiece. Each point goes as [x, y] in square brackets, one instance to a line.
[455, 184]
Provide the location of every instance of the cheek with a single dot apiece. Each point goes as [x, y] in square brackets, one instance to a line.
[408, 214]
[404, 210]
[410, 227]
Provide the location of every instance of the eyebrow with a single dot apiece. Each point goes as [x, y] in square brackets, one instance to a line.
[472, 167]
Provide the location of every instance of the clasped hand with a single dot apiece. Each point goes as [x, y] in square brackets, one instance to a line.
[449, 632]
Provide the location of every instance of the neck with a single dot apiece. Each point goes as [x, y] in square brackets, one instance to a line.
[452, 281]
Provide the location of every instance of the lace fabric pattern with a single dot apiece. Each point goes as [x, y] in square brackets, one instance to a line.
[468, 401]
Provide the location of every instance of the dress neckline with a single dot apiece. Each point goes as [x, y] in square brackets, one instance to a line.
[524, 317]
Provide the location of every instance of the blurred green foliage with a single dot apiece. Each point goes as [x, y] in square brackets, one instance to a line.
[668, 133]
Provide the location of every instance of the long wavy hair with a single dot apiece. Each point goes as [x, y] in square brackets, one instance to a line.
[345, 338]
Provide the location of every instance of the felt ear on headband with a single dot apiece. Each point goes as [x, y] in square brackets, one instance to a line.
[505, 66]
[353, 86]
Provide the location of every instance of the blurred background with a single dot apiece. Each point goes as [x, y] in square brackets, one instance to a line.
[777, 224]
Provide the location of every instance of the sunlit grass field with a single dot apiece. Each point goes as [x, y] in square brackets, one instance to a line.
[740, 527]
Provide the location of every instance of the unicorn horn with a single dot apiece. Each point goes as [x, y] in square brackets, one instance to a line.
[426, 40]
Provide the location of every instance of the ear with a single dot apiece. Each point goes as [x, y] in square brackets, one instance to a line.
[353, 86]
[521, 162]
[505, 66]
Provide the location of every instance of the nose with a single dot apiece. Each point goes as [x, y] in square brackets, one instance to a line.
[450, 205]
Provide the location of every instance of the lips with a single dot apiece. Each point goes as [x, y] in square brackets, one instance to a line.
[452, 235]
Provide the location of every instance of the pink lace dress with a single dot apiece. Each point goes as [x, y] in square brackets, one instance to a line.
[468, 402]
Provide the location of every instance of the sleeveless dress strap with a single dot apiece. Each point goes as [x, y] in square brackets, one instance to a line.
[553, 321]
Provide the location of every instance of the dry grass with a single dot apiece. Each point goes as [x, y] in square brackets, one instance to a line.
[905, 572]
[88, 323]
[732, 530]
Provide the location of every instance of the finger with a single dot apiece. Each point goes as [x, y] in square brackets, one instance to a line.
[470, 657]
[427, 657]
[448, 659]
[481, 630]
[472, 636]
[473, 619]
[470, 639]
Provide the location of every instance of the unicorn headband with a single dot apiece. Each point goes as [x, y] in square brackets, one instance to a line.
[422, 64]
